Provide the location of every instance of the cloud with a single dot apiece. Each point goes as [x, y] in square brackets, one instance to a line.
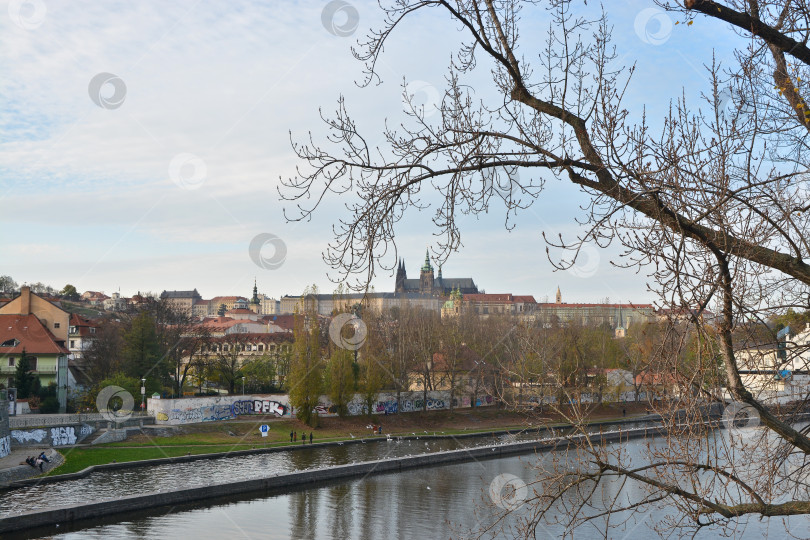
[225, 82]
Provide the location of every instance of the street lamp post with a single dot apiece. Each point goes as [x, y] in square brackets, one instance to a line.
[143, 395]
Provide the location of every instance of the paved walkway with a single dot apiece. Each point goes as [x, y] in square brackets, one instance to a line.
[18, 455]
[13, 467]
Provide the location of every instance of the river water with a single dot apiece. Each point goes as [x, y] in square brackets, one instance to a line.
[116, 483]
[453, 501]
[443, 502]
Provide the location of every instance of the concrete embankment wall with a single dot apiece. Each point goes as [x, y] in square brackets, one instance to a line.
[5, 439]
[218, 408]
[311, 478]
[21, 473]
[58, 430]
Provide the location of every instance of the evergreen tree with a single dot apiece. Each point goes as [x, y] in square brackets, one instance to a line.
[27, 383]
[69, 292]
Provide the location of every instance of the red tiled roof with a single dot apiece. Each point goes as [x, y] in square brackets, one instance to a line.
[78, 320]
[468, 360]
[525, 299]
[287, 321]
[240, 311]
[256, 337]
[31, 335]
[626, 306]
[489, 297]
[82, 325]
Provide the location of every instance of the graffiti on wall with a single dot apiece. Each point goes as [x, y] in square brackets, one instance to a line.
[63, 435]
[5, 446]
[192, 410]
[36, 435]
[258, 406]
[211, 413]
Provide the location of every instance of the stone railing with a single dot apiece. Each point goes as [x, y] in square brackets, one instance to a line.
[44, 420]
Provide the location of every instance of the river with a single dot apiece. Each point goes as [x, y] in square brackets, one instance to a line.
[437, 502]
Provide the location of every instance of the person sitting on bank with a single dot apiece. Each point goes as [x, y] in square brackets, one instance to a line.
[44, 458]
[30, 461]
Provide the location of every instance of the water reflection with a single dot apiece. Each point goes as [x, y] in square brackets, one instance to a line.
[110, 484]
[441, 502]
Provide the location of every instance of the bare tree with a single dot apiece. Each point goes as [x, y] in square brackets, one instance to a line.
[713, 203]
[103, 358]
[228, 359]
[424, 328]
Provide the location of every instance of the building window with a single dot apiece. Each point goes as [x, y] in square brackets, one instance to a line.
[72, 343]
[261, 348]
[32, 363]
[56, 325]
[92, 330]
[11, 362]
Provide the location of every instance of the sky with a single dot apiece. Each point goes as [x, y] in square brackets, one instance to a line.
[141, 143]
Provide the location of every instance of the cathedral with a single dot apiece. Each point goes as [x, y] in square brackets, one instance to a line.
[429, 284]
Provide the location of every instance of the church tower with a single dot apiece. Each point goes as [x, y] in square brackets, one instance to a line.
[559, 296]
[426, 276]
[254, 302]
[402, 275]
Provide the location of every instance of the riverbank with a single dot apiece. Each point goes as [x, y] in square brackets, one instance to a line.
[222, 438]
[66, 517]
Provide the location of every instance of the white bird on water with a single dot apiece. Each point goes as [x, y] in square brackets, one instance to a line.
[352, 436]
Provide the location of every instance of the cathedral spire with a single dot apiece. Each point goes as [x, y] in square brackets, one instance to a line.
[427, 267]
[559, 295]
[255, 299]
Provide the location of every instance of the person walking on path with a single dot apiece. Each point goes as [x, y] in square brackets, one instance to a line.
[303, 438]
[310, 437]
[291, 436]
[295, 436]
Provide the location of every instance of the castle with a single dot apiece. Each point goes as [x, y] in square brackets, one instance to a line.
[428, 284]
